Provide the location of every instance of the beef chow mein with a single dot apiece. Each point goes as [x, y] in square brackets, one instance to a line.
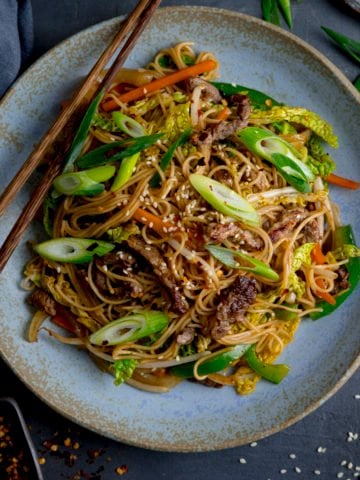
[191, 230]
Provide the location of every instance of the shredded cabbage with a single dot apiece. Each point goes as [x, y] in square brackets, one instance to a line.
[298, 115]
[302, 256]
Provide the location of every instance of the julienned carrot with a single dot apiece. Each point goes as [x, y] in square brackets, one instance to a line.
[159, 83]
[342, 182]
[154, 222]
[317, 254]
[223, 114]
[320, 282]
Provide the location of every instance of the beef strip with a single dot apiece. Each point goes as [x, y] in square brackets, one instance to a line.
[125, 264]
[289, 220]
[342, 281]
[42, 300]
[312, 232]
[153, 256]
[209, 92]
[186, 336]
[226, 128]
[234, 300]
[218, 232]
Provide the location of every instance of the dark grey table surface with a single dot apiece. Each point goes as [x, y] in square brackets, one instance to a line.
[325, 444]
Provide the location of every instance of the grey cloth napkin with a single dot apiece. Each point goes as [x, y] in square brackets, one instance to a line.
[16, 40]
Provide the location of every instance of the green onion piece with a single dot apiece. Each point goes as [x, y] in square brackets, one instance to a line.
[216, 363]
[285, 7]
[125, 171]
[102, 155]
[282, 314]
[225, 200]
[273, 373]
[357, 83]
[229, 258]
[280, 153]
[84, 182]
[128, 125]
[348, 45]
[270, 11]
[73, 250]
[130, 328]
[166, 158]
[81, 134]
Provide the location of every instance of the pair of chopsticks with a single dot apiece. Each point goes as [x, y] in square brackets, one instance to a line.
[128, 34]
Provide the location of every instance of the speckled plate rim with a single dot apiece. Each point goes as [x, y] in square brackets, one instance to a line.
[352, 367]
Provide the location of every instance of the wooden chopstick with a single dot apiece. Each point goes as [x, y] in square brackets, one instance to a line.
[135, 23]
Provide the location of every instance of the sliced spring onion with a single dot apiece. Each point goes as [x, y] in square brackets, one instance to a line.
[350, 46]
[273, 373]
[128, 125]
[230, 258]
[281, 154]
[84, 182]
[216, 363]
[166, 158]
[225, 200]
[73, 250]
[102, 155]
[130, 328]
[125, 171]
[81, 134]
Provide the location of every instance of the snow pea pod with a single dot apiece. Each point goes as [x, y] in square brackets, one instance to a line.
[216, 363]
[274, 373]
[343, 236]
[257, 99]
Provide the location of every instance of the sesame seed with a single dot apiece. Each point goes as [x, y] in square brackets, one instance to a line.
[297, 470]
[292, 456]
[357, 397]
[317, 472]
[350, 466]
[253, 444]
[283, 471]
[340, 475]
[343, 463]
[321, 450]
[242, 460]
[357, 468]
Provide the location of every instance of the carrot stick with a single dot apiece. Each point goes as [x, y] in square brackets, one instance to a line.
[156, 223]
[317, 254]
[159, 83]
[342, 182]
[223, 114]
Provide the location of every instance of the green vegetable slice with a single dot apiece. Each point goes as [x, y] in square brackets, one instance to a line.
[280, 153]
[102, 155]
[347, 44]
[125, 171]
[128, 125]
[166, 158]
[225, 200]
[123, 369]
[130, 328]
[72, 250]
[84, 182]
[274, 373]
[216, 363]
[82, 133]
[343, 236]
[229, 258]
[257, 99]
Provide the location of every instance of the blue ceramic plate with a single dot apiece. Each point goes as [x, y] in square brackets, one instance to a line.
[190, 418]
